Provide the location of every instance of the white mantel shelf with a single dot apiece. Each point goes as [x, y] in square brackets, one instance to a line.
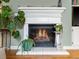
[41, 8]
[43, 15]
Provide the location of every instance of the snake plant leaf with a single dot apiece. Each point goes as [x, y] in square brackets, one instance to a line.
[16, 34]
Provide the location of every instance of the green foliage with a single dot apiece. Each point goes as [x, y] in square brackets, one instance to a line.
[20, 19]
[27, 44]
[58, 27]
[0, 22]
[16, 34]
[5, 16]
[21, 13]
[10, 23]
[6, 12]
[6, 1]
[11, 26]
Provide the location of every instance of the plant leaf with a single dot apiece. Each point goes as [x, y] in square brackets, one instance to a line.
[16, 34]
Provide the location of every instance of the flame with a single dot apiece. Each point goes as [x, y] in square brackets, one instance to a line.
[39, 33]
[42, 34]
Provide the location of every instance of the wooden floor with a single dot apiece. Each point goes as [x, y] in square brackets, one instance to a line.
[11, 54]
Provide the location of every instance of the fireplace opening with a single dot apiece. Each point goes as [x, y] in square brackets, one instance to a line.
[42, 34]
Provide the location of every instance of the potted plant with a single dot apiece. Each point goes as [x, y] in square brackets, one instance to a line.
[11, 23]
[7, 21]
[58, 28]
[27, 44]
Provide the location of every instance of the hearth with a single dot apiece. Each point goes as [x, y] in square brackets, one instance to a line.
[42, 34]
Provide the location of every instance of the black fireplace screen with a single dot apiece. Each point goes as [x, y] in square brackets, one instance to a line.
[42, 34]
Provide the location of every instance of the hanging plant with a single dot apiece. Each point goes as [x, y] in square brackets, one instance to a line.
[20, 19]
[16, 34]
[6, 1]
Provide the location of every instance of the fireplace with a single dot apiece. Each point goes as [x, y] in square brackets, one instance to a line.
[39, 25]
[42, 34]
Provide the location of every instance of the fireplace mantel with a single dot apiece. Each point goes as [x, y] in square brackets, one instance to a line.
[43, 15]
[42, 8]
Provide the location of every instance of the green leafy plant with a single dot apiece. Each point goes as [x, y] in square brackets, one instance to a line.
[7, 21]
[5, 16]
[58, 27]
[6, 0]
[27, 44]
[16, 34]
[20, 19]
[6, 12]
[0, 22]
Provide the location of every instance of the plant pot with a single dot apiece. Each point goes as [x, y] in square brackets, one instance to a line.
[6, 38]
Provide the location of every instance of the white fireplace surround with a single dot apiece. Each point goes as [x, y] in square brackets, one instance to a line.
[42, 15]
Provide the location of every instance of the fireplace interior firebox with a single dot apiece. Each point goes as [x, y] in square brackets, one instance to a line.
[42, 34]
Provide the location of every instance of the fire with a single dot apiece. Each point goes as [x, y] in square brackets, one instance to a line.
[42, 34]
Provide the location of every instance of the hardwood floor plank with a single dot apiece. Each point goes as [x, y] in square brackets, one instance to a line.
[11, 54]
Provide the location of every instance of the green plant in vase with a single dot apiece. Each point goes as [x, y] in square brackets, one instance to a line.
[58, 28]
